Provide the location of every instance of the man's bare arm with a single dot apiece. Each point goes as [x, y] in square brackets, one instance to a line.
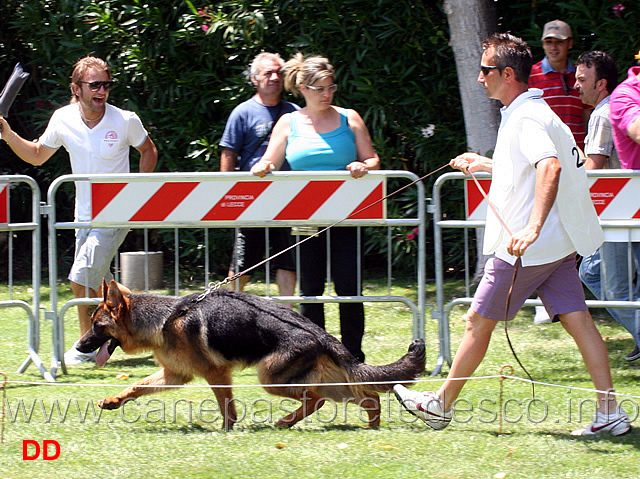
[547, 180]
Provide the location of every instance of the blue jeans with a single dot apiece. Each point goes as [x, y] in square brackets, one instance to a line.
[606, 274]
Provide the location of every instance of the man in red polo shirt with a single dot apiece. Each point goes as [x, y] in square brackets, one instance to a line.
[555, 75]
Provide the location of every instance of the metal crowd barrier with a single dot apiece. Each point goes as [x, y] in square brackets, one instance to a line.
[7, 183]
[615, 197]
[232, 200]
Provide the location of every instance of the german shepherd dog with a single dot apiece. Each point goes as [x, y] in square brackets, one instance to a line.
[227, 329]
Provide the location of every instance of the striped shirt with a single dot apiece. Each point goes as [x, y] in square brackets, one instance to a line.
[560, 95]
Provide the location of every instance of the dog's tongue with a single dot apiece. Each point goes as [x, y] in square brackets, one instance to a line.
[103, 354]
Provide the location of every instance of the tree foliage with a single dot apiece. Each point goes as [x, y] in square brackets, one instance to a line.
[179, 65]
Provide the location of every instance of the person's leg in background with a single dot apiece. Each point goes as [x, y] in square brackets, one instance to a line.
[244, 240]
[284, 263]
[590, 273]
[615, 286]
[95, 250]
[313, 269]
[344, 269]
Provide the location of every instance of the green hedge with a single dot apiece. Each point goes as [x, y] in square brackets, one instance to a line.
[179, 65]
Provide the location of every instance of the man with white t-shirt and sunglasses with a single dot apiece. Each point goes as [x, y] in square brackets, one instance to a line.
[98, 137]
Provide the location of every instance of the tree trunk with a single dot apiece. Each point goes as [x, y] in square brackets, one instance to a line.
[470, 22]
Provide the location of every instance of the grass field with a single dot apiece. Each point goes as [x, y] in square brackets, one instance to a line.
[178, 433]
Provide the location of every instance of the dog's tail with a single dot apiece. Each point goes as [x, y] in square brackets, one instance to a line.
[343, 377]
[407, 368]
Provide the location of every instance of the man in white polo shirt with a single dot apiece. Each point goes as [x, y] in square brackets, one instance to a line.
[540, 191]
[98, 137]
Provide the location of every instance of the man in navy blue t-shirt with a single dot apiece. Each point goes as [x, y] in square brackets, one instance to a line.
[243, 143]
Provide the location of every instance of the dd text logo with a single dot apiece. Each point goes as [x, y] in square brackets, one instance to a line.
[31, 450]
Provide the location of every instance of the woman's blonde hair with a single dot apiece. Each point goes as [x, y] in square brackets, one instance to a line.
[300, 71]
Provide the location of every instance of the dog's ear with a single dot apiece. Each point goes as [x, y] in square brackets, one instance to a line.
[124, 290]
[104, 290]
[114, 298]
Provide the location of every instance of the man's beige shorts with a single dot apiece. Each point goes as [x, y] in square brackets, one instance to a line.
[95, 249]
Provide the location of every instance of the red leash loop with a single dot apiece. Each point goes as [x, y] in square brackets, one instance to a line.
[513, 282]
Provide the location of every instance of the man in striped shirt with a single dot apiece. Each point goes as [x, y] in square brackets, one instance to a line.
[555, 75]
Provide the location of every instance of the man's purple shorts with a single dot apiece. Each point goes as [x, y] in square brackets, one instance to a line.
[558, 286]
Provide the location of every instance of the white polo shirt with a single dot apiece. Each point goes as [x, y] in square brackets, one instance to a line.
[530, 132]
[101, 149]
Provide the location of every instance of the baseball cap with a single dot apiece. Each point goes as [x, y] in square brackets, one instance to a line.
[556, 29]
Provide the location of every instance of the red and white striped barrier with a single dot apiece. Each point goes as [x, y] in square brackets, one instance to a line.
[616, 198]
[255, 200]
[4, 203]
[613, 199]
[475, 204]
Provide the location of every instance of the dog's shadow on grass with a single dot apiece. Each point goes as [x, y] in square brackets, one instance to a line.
[197, 428]
[306, 428]
[133, 361]
[116, 365]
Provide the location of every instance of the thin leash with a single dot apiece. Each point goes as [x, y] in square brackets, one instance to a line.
[213, 286]
[513, 282]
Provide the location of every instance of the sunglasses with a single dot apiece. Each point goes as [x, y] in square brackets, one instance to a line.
[486, 69]
[332, 88]
[96, 85]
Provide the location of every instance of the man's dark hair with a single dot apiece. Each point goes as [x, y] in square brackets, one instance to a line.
[511, 51]
[605, 67]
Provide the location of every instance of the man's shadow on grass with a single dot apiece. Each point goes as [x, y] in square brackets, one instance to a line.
[598, 443]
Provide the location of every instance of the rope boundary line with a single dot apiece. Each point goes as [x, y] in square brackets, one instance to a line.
[502, 377]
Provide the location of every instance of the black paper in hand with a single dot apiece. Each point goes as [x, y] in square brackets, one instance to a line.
[11, 89]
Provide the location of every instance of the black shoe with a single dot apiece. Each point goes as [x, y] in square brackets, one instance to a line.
[633, 355]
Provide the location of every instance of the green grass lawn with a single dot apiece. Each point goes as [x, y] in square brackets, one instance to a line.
[178, 433]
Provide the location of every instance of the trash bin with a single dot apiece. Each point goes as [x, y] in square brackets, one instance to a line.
[132, 269]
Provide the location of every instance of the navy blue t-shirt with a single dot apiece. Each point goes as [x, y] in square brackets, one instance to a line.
[246, 128]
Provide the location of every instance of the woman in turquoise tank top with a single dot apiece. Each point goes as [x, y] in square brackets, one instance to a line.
[324, 137]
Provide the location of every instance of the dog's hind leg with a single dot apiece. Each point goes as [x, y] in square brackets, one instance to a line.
[311, 402]
[163, 377]
[224, 395]
[371, 404]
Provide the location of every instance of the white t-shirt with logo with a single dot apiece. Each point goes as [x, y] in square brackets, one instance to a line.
[530, 132]
[101, 149]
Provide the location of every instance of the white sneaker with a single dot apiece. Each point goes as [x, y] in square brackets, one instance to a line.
[615, 424]
[73, 357]
[424, 405]
[541, 316]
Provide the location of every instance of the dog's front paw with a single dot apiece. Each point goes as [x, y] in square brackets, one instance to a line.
[109, 403]
[284, 423]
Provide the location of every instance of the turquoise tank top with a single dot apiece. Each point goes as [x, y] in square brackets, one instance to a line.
[321, 151]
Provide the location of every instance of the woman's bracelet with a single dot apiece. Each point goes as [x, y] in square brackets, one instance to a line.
[12, 138]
